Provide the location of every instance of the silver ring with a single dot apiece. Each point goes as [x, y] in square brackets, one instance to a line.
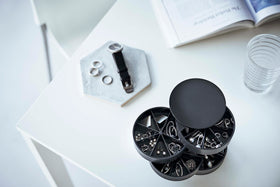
[107, 80]
[97, 64]
[94, 72]
[217, 134]
[115, 47]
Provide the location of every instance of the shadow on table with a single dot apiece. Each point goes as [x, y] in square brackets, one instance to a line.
[274, 93]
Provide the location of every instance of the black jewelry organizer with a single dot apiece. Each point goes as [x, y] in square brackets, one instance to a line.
[191, 137]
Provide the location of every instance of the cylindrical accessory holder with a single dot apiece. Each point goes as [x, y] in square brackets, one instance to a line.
[189, 138]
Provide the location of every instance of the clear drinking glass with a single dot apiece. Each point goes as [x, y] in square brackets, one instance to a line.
[263, 64]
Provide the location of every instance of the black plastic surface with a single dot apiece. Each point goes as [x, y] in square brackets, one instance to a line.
[197, 103]
[211, 163]
[156, 137]
[203, 144]
[180, 169]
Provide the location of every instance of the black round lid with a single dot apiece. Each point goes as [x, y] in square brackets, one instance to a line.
[197, 103]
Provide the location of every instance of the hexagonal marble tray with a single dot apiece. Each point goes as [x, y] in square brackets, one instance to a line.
[136, 63]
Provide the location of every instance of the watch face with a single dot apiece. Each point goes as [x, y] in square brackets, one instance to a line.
[115, 47]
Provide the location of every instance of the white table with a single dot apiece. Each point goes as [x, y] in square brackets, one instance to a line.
[97, 135]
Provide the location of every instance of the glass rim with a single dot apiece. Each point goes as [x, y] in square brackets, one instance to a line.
[254, 40]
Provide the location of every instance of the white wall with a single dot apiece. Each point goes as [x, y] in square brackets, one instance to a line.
[22, 77]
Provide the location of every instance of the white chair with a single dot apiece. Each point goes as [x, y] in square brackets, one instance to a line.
[65, 24]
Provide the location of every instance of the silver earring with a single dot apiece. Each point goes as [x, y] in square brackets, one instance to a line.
[225, 135]
[220, 122]
[171, 129]
[144, 148]
[165, 169]
[179, 169]
[194, 136]
[174, 148]
[190, 164]
[227, 123]
[209, 164]
[199, 141]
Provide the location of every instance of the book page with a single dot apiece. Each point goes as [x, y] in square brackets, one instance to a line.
[262, 9]
[196, 18]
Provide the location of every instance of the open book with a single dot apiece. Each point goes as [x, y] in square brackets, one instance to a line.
[186, 21]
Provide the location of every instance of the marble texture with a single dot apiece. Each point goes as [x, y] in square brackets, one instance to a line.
[136, 63]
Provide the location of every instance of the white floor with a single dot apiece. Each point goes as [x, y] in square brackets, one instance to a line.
[23, 75]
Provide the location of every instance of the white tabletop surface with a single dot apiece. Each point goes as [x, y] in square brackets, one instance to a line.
[97, 135]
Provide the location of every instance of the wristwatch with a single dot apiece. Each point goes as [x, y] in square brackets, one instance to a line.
[116, 50]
